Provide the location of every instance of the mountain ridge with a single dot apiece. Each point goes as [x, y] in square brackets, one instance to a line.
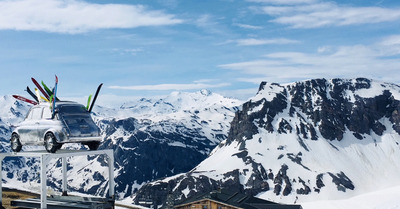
[309, 140]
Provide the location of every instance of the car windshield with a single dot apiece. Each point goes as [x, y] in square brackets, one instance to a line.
[72, 109]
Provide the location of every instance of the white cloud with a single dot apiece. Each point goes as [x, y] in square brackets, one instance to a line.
[127, 51]
[390, 45]
[375, 61]
[168, 87]
[253, 42]
[283, 1]
[210, 24]
[74, 16]
[391, 40]
[249, 26]
[329, 14]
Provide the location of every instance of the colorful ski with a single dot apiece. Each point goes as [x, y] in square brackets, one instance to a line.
[51, 101]
[95, 97]
[49, 92]
[40, 88]
[44, 98]
[32, 94]
[25, 99]
[38, 95]
[54, 97]
[88, 102]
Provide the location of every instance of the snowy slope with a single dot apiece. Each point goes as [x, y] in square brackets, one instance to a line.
[383, 199]
[306, 141]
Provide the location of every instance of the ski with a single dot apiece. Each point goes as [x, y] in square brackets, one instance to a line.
[32, 94]
[51, 101]
[40, 88]
[47, 89]
[38, 95]
[88, 102]
[95, 97]
[44, 99]
[55, 97]
[25, 99]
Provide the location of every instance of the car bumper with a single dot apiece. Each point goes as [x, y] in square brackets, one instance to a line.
[82, 139]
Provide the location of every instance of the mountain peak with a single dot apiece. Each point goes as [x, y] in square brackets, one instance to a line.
[205, 92]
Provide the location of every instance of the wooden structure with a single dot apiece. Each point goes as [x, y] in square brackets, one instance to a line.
[226, 199]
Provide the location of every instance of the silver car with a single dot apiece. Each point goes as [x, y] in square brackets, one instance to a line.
[71, 123]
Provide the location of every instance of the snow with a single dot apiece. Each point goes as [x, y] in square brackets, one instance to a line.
[220, 162]
[377, 88]
[256, 109]
[186, 191]
[177, 144]
[269, 92]
[383, 199]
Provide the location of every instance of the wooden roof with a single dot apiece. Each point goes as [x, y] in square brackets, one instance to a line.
[236, 200]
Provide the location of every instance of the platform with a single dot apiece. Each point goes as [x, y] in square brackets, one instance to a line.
[64, 202]
[45, 157]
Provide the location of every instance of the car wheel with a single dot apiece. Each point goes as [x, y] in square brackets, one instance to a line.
[16, 145]
[93, 145]
[50, 143]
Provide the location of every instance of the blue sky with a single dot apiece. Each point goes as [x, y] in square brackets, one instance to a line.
[145, 48]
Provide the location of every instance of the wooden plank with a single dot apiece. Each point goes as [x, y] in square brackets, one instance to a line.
[52, 204]
[81, 199]
[63, 202]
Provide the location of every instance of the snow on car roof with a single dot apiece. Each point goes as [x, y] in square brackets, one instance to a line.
[59, 103]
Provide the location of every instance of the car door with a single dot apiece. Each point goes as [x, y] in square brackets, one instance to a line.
[45, 123]
[28, 129]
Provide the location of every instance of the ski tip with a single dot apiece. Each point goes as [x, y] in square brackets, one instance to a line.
[56, 79]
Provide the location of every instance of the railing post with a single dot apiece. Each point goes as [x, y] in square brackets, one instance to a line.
[111, 181]
[43, 181]
[64, 176]
[1, 180]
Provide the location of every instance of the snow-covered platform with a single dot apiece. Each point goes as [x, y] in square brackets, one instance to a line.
[45, 157]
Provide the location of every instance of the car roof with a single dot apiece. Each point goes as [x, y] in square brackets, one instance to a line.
[59, 103]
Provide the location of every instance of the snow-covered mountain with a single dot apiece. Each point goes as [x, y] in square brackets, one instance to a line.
[151, 139]
[11, 112]
[305, 141]
[159, 138]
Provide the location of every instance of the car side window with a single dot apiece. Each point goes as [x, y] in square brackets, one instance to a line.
[29, 115]
[47, 113]
[36, 113]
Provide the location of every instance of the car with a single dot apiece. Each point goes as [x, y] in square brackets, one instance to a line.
[69, 123]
